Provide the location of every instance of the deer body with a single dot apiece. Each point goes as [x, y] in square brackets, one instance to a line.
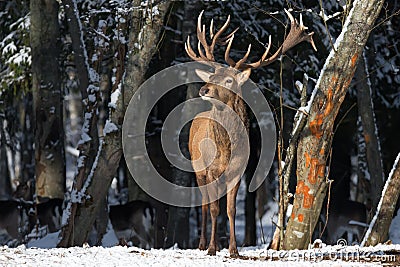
[347, 221]
[218, 138]
[210, 162]
[10, 218]
[133, 222]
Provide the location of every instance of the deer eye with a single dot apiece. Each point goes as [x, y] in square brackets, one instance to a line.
[229, 80]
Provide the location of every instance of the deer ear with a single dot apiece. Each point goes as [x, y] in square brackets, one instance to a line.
[204, 75]
[243, 76]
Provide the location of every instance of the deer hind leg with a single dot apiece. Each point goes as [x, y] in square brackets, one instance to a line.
[201, 180]
[203, 235]
[204, 211]
[231, 211]
[213, 246]
[214, 211]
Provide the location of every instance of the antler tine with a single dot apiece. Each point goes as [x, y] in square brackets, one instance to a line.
[225, 40]
[201, 36]
[202, 56]
[212, 28]
[216, 36]
[207, 55]
[240, 62]
[190, 51]
[268, 48]
[296, 35]
[228, 59]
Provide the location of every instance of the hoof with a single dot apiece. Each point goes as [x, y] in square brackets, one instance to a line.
[234, 253]
[202, 246]
[212, 252]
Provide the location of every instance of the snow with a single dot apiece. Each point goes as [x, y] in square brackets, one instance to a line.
[109, 127]
[114, 97]
[40, 253]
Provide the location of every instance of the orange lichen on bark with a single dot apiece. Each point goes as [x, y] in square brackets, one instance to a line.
[329, 102]
[354, 60]
[299, 187]
[300, 217]
[312, 174]
[367, 138]
[346, 84]
[315, 126]
[308, 159]
[308, 199]
[316, 169]
[321, 170]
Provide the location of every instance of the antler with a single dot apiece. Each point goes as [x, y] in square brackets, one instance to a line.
[201, 36]
[296, 35]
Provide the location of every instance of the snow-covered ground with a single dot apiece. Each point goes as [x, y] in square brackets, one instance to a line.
[255, 256]
[42, 252]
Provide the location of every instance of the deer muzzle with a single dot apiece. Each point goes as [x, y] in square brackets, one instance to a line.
[204, 91]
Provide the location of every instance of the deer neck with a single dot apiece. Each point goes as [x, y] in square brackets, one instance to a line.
[224, 117]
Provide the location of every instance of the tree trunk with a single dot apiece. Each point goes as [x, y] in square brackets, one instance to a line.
[178, 217]
[88, 145]
[109, 153]
[370, 131]
[5, 183]
[316, 137]
[380, 224]
[250, 237]
[46, 87]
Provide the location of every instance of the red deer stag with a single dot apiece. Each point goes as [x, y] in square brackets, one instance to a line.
[210, 161]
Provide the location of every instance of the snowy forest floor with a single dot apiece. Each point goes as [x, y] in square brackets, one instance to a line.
[42, 252]
[382, 255]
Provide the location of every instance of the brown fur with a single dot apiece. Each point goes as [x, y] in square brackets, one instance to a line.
[211, 161]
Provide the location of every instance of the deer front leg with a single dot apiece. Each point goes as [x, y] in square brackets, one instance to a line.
[201, 181]
[231, 211]
[203, 235]
[213, 246]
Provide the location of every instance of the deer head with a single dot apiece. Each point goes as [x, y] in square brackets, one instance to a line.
[233, 77]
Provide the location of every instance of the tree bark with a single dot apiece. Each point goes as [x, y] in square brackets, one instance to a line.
[110, 149]
[370, 132]
[178, 217]
[380, 224]
[316, 137]
[5, 183]
[88, 146]
[46, 87]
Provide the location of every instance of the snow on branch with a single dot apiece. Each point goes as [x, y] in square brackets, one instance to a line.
[378, 209]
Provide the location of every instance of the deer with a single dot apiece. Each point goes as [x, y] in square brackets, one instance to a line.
[223, 88]
[14, 213]
[133, 221]
[347, 220]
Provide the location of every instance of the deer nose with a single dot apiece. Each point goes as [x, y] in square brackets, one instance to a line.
[203, 91]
